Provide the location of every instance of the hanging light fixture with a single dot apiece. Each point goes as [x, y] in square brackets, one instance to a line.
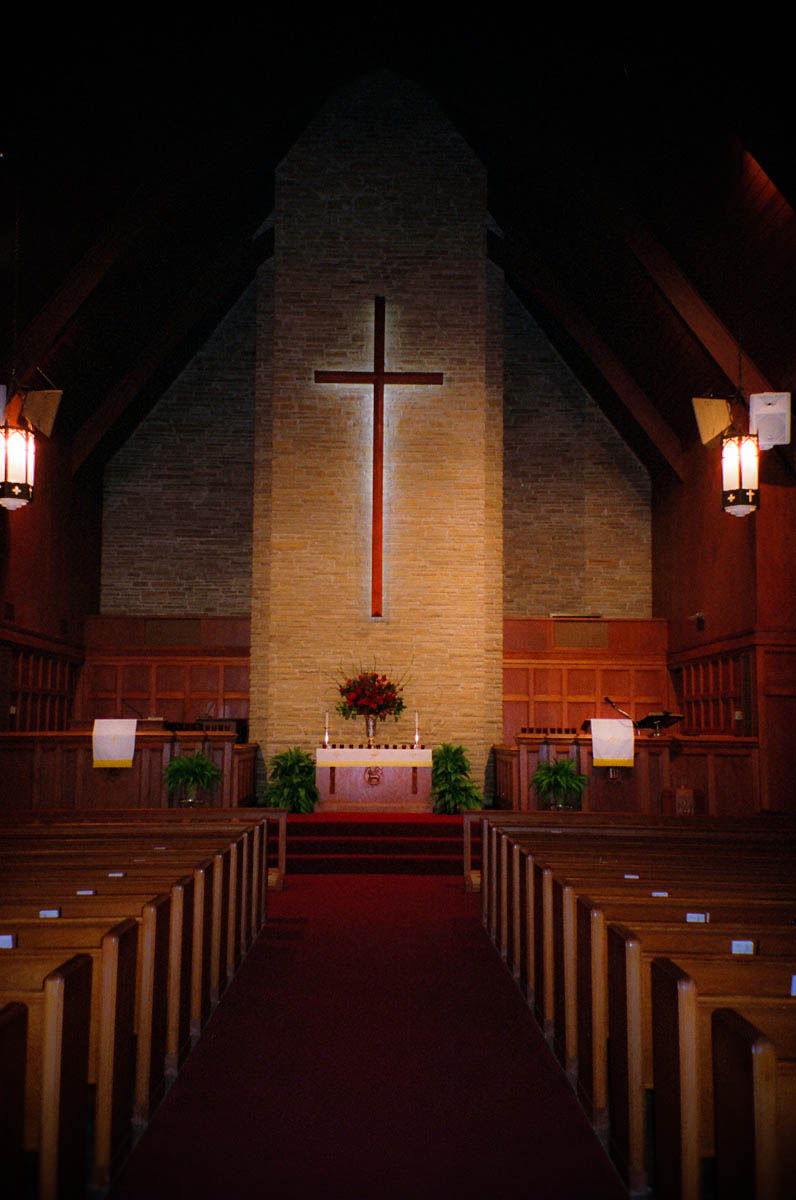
[17, 454]
[740, 487]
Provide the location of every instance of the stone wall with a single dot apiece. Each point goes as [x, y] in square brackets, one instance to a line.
[177, 514]
[381, 197]
[577, 527]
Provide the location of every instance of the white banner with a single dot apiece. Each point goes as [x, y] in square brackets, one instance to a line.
[113, 743]
[612, 742]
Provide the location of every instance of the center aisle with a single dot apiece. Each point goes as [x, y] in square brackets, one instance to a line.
[371, 1046]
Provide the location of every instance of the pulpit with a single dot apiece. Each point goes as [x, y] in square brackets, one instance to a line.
[373, 779]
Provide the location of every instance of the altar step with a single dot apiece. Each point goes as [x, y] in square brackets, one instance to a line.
[374, 844]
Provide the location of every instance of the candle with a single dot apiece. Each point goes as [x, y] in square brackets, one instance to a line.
[326, 729]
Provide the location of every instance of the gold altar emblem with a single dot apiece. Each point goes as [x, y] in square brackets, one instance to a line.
[372, 775]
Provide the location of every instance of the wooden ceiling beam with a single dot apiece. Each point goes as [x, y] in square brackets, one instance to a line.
[228, 269]
[690, 306]
[41, 333]
[536, 278]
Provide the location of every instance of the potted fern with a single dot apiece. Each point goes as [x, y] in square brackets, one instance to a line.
[190, 779]
[291, 783]
[558, 784]
[452, 788]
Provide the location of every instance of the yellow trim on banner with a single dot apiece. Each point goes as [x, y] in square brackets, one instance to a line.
[113, 762]
[612, 762]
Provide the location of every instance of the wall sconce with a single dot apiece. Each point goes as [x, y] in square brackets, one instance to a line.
[25, 411]
[740, 489]
[17, 455]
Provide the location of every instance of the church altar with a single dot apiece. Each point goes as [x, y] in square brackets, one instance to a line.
[383, 778]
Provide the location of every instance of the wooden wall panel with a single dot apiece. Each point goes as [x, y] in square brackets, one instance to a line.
[724, 770]
[55, 770]
[179, 688]
[37, 688]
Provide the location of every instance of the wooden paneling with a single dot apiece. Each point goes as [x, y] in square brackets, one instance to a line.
[726, 770]
[714, 692]
[38, 688]
[179, 689]
[746, 688]
[558, 680]
[55, 770]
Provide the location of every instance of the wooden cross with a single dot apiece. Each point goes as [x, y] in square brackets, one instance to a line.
[378, 377]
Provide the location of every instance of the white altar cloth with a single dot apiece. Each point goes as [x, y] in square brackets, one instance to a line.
[378, 756]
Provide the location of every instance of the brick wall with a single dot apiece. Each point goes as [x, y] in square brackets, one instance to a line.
[177, 513]
[268, 510]
[381, 196]
[577, 521]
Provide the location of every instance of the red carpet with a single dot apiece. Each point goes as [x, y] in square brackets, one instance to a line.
[374, 844]
[372, 1046]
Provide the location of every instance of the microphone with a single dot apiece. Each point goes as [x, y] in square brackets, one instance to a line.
[616, 708]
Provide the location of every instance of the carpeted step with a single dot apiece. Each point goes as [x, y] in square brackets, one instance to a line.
[374, 864]
[328, 845]
[373, 843]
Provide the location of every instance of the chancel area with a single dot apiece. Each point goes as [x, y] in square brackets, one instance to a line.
[442, 386]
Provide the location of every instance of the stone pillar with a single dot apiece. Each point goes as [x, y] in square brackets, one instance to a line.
[380, 196]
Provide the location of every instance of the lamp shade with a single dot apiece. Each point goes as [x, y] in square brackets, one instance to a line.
[740, 491]
[17, 464]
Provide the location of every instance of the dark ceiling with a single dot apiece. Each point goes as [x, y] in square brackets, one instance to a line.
[642, 184]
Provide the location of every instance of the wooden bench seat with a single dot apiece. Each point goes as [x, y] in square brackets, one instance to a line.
[590, 997]
[176, 827]
[774, 830]
[755, 1106]
[603, 852]
[58, 1003]
[631, 1052]
[247, 866]
[552, 886]
[13, 1053]
[153, 914]
[111, 1057]
[216, 917]
[194, 899]
[684, 996]
[623, 859]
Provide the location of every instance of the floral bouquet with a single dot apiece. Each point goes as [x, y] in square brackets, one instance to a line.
[370, 695]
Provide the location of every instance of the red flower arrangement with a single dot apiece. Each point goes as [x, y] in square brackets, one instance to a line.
[369, 694]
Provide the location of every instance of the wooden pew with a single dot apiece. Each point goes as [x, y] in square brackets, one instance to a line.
[773, 829]
[683, 1000]
[620, 856]
[213, 919]
[172, 823]
[555, 928]
[13, 1051]
[699, 885]
[530, 910]
[754, 1088]
[111, 1058]
[56, 1089]
[672, 873]
[234, 919]
[154, 917]
[662, 937]
[631, 1032]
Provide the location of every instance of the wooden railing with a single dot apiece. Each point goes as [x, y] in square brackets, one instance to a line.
[54, 770]
[725, 770]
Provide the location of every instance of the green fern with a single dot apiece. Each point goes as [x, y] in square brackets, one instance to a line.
[452, 788]
[292, 782]
[188, 776]
[558, 784]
